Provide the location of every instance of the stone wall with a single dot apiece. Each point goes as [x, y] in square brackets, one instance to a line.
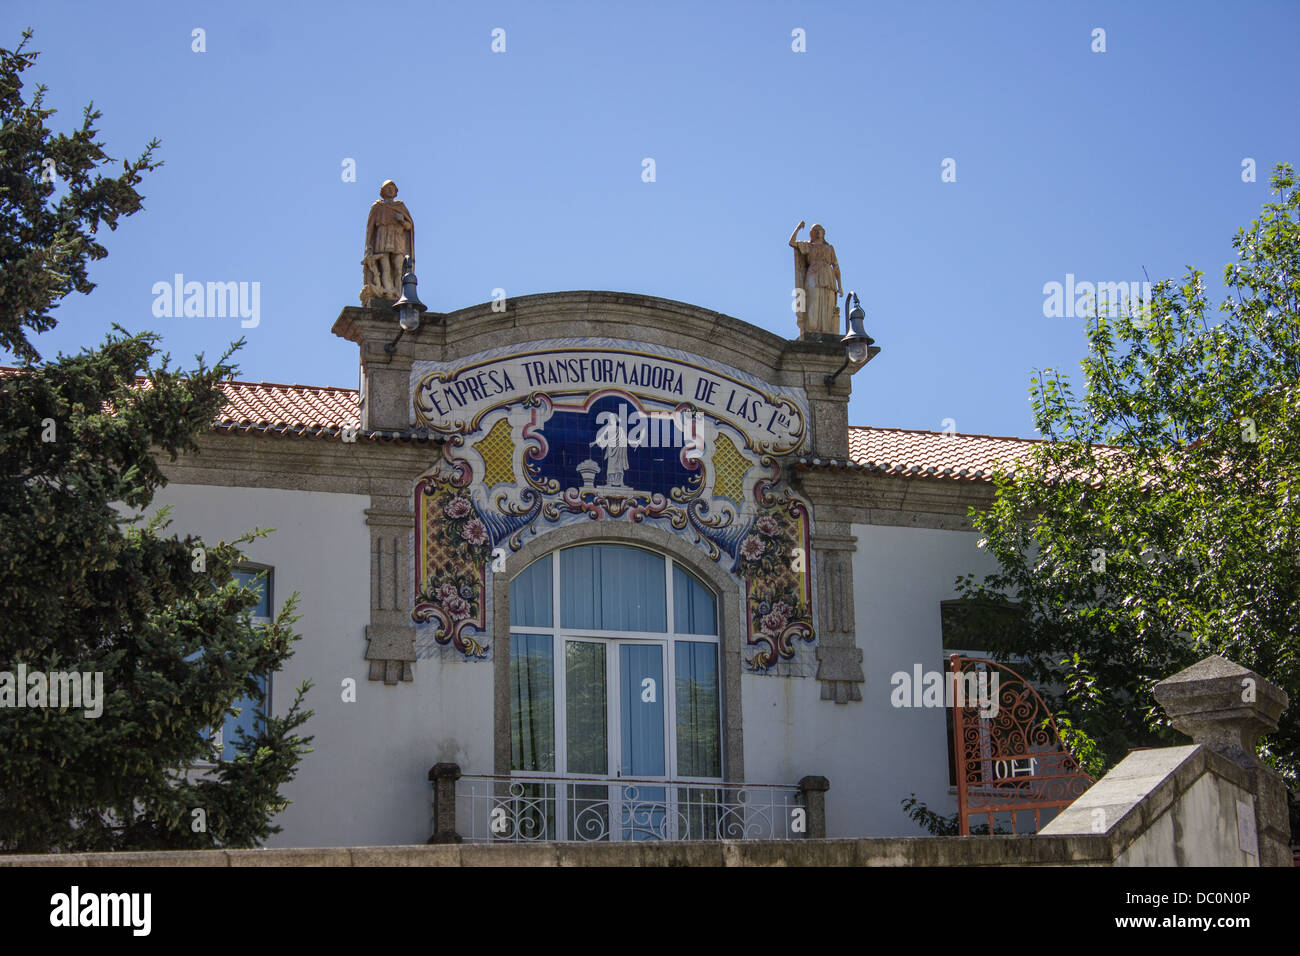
[912, 851]
[1175, 806]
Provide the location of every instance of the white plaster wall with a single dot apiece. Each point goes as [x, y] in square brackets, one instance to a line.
[365, 782]
[874, 755]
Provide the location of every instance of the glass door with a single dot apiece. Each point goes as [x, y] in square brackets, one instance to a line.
[587, 738]
[616, 727]
[643, 810]
[614, 678]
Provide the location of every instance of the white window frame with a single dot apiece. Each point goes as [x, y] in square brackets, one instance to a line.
[613, 703]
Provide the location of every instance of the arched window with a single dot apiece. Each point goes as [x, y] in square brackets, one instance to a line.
[614, 668]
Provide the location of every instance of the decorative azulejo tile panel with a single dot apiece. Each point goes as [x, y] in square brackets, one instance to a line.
[571, 430]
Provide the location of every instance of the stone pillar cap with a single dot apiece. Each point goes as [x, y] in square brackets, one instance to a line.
[1221, 704]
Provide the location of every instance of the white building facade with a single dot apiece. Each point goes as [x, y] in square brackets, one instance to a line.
[619, 566]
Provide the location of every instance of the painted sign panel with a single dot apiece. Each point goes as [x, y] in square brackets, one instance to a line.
[572, 430]
[451, 400]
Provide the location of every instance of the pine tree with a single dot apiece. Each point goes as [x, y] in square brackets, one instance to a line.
[86, 584]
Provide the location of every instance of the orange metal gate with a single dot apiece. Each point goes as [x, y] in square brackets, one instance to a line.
[1008, 753]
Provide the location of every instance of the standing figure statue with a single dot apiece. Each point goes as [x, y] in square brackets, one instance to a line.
[390, 238]
[817, 273]
[613, 439]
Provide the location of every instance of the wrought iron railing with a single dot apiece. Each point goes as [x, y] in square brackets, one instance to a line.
[518, 809]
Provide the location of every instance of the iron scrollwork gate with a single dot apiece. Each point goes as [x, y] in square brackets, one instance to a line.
[1008, 753]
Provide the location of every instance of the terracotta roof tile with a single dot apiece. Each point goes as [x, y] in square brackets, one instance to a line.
[324, 411]
[268, 408]
[266, 403]
[922, 454]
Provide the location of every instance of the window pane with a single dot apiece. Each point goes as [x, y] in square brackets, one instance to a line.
[532, 703]
[586, 715]
[991, 628]
[699, 750]
[530, 595]
[250, 578]
[613, 588]
[693, 607]
[248, 720]
[579, 583]
[641, 684]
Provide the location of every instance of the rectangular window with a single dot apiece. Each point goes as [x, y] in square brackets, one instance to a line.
[967, 625]
[587, 732]
[641, 668]
[532, 703]
[698, 730]
[248, 719]
[260, 579]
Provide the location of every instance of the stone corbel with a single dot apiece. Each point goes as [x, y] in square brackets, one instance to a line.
[839, 659]
[390, 635]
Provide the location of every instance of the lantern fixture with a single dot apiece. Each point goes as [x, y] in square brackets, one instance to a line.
[409, 308]
[859, 347]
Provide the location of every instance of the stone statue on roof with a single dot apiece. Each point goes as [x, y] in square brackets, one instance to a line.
[816, 282]
[390, 238]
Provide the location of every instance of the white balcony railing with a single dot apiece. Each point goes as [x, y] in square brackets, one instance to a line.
[518, 809]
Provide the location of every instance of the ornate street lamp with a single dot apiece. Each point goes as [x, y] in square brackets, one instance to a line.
[859, 347]
[409, 307]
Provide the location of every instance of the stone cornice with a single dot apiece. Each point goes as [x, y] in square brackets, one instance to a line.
[386, 468]
[303, 464]
[449, 336]
[858, 497]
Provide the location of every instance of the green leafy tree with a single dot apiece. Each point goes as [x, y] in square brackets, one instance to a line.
[86, 584]
[1160, 520]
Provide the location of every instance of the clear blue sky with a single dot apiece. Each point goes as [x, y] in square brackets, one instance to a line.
[523, 169]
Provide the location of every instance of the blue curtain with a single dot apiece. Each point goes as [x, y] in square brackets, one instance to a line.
[693, 605]
[613, 588]
[642, 679]
[530, 595]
